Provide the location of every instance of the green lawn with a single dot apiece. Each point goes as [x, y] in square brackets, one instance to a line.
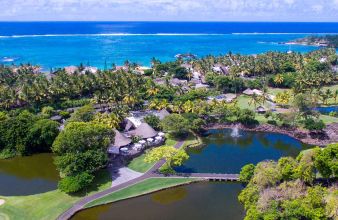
[328, 119]
[145, 187]
[138, 164]
[243, 102]
[275, 91]
[49, 205]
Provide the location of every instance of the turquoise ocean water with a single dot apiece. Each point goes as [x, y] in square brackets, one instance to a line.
[58, 44]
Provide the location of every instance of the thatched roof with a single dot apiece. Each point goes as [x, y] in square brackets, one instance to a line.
[162, 114]
[121, 140]
[248, 92]
[144, 131]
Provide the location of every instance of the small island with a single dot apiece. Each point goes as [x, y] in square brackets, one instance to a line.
[320, 41]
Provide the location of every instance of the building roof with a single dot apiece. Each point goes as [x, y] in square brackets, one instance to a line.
[201, 85]
[162, 114]
[120, 140]
[252, 91]
[144, 131]
[71, 69]
[260, 109]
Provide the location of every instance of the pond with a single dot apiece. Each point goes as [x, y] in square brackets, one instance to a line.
[326, 109]
[197, 201]
[221, 153]
[28, 175]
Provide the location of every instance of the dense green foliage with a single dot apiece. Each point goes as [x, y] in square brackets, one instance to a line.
[175, 124]
[26, 133]
[24, 87]
[172, 156]
[153, 121]
[72, 184]
[81, 148]
[285, 189]
[329, 40]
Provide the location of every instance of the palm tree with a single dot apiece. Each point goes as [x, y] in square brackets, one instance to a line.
[255, 100]
[278, 79]
[335, 95]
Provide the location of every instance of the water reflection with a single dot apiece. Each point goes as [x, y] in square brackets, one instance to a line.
[169, 196]
[28, 175]
[222, 153]
[199, 201]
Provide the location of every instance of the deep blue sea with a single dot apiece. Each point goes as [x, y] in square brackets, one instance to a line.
[57, 44]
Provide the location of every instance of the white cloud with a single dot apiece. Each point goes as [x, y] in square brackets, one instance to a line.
[167, 9]
[317, 8]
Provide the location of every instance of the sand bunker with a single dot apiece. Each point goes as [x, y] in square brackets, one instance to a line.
[2, 201]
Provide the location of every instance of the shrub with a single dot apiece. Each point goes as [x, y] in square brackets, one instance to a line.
[314, 125]
[247, 173]
[175, 124]
[64, 114]
[48, 111]
[42, 135]
[72, 184]
[153, 121]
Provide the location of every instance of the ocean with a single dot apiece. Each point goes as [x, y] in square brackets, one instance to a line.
[58, 44]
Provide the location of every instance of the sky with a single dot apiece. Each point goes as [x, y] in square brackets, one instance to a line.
[169, 10]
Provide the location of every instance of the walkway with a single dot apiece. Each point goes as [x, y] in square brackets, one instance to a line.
[124, 174]
[152, 173]
[210, 176]
[80, 204]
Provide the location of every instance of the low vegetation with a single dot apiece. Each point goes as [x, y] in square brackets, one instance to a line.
[301, 188]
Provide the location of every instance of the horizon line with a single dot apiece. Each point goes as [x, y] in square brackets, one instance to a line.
[172, 21]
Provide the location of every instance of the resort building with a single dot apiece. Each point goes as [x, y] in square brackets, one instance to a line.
[178, 82]
[144, 133]
[250, 92]
[120, 141]
[229, 97]
[201, 85]
[71, 69]
[220, 69]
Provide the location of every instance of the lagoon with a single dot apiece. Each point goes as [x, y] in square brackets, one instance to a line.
[28, 175]
[221, 153]
[198, 201]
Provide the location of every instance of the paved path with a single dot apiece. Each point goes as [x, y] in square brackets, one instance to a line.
[80, 204]
[124, 174]
[136, 178]
[210, 176]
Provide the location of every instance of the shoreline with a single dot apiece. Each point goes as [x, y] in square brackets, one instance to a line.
[330, 137]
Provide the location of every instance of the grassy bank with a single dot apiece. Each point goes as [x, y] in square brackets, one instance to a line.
[138, 164]
[49, 205]
[145, 187]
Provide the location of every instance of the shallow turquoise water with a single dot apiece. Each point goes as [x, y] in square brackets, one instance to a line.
[59, 51]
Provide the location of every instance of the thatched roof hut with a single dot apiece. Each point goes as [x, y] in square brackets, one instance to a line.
[144, 131]
[162, 114]
[121, 140]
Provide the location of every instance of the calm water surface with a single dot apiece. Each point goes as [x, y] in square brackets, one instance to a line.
[222, 153]
[327, 109]
[28, 175]
[198, 201]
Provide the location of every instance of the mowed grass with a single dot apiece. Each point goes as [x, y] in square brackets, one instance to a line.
[328, 119]
[142, 188]
[49, 205]
[243, 102]
[138, 164]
